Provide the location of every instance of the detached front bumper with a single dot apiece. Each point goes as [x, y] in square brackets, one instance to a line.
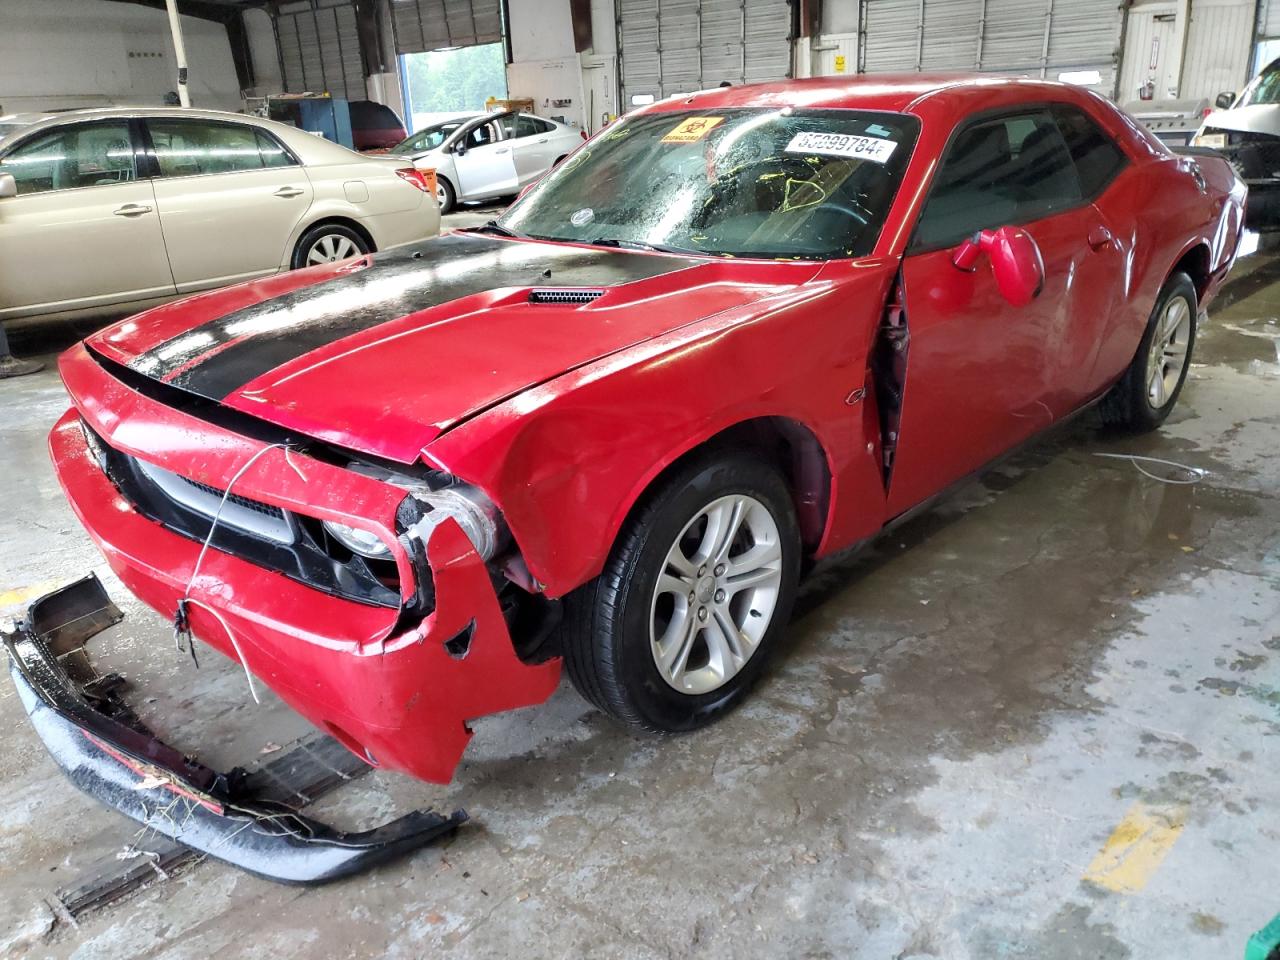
[400, 697]
[108, 753]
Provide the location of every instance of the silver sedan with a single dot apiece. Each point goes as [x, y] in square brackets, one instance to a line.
[485, 156]
[107, 209]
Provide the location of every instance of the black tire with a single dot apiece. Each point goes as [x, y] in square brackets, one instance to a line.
[446, 196]
[606, 638]
[1128, 405]
[327, 231]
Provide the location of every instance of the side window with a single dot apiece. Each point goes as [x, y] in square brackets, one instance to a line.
[482, 135]
[544, 126]
[1003, 171]
[192, 148]
[510, 126]
[81, 155]
[528, 127]
[1096, 157]
[273, 154]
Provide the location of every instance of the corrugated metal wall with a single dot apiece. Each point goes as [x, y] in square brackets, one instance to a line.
[1219, 43]
[320, 49]
[952, 35]
[1038, 37]
[678, 46]
[890, 36]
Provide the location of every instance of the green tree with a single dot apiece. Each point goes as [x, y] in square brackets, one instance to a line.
[456, 81]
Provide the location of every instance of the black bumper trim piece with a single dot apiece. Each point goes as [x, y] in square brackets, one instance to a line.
[109, 754]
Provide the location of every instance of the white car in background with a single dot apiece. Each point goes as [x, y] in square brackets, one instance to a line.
[488, 155]
[107, 209]
[1246, 130]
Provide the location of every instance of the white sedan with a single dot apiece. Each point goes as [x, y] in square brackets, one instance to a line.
[111, 209]
[488, 155]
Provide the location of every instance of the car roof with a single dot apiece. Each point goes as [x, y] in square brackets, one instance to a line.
[107, 113]
[898, 92]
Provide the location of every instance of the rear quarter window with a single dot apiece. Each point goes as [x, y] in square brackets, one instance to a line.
[1096, 156]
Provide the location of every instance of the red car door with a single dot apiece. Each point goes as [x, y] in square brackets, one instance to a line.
[982, 375]
[1097, 286]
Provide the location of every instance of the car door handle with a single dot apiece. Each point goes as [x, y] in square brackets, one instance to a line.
[287, 193]
[131, 210]
[543, 140]
[1099, 237]
[503, 150]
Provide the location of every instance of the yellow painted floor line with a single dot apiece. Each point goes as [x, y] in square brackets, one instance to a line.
[1137, 847]
[23, 595]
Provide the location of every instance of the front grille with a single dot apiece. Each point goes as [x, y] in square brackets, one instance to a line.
[235, 498]
[259, 533]
[564, 296]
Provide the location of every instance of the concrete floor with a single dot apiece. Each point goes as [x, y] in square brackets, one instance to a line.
[1040, 721]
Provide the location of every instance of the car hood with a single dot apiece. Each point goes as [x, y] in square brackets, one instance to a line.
[385, 353]
[1256, 118]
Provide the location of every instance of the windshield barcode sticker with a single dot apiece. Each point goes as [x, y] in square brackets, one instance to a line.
[843, 145]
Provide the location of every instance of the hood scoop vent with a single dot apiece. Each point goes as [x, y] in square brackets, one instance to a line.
[556, 295]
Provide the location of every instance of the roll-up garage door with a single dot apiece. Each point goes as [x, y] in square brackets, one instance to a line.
[1269, 19]
[422, 25]
[678, 46]
[1042, 38]
[319, 48]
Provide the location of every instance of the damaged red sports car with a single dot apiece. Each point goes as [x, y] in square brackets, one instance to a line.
[733, 332]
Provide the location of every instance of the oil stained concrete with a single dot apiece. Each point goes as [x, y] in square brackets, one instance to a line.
[1039, 721]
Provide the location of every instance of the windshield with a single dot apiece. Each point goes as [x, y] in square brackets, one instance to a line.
[10, 127]
[429, 138]
[1264, 88]
[795, 184]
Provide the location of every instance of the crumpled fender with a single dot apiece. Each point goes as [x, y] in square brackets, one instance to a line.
[567, 460]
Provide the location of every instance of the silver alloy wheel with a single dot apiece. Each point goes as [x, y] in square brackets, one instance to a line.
[330, 248]
[1168, 352]
[441, 197]
[716, 594]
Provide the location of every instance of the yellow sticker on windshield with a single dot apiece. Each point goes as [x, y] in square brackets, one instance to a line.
[692, 130]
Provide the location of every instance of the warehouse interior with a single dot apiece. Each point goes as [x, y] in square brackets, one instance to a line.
[1036, 717]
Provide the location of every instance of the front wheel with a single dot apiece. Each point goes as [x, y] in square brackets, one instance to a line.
[328, 243]
[696, 592]
[445, 195]
[1149, 389]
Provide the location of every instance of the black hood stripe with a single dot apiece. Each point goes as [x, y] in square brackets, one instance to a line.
[219, 357]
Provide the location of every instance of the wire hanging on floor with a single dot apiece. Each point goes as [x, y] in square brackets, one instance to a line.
[1194, 474]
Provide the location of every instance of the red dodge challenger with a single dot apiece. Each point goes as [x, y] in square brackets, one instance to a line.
[732, 332]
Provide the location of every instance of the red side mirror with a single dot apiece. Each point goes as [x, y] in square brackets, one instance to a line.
[1015, 262]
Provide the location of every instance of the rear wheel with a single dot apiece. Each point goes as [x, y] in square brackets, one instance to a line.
[696, 592]
[328, 243]
[1149, 389]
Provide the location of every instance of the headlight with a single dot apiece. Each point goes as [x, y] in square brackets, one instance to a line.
[475, 513]
[364, 542]
[1218, 141]
[424, 510]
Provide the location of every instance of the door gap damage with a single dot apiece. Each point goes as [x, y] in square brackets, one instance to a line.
[889, 373]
